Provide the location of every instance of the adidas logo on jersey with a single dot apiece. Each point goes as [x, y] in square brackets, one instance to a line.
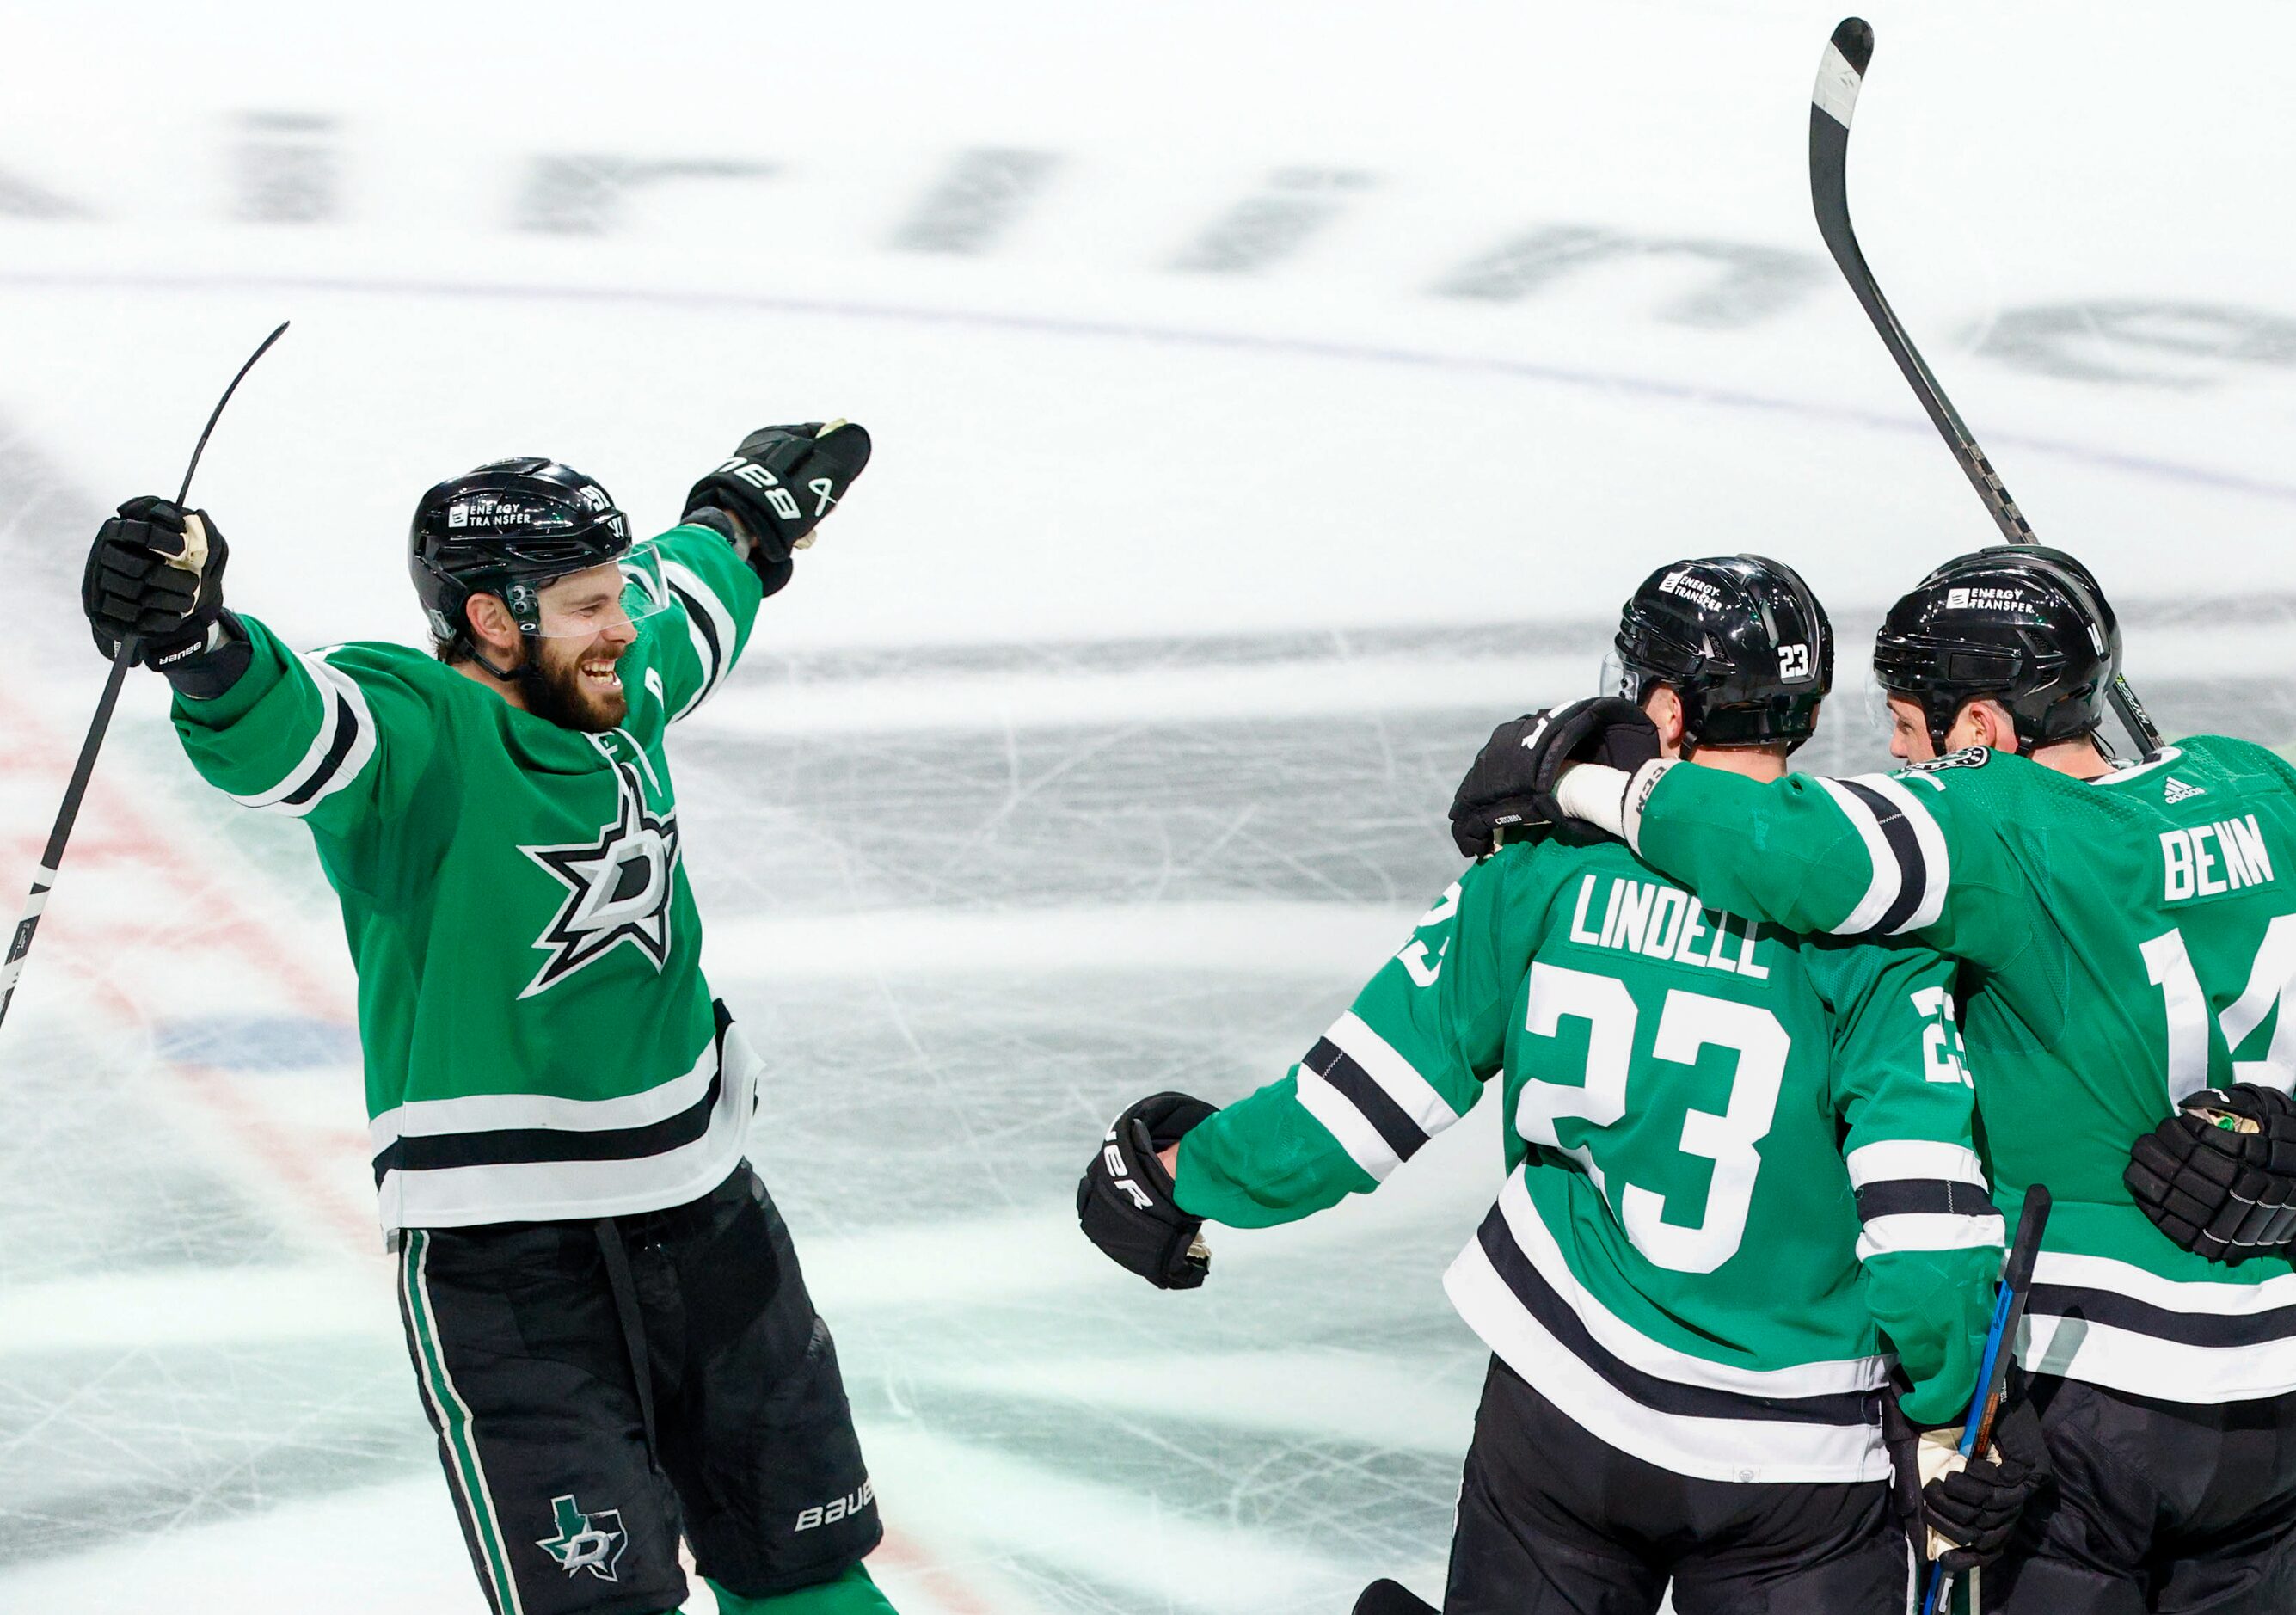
[2176, 790]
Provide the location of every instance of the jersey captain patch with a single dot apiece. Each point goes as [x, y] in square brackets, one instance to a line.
[619, 888]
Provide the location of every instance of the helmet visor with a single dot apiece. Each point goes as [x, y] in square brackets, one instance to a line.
[614, 596]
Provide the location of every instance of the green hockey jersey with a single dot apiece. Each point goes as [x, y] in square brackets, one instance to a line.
[2130, 941]
[537, 1038]
[1739, 1164]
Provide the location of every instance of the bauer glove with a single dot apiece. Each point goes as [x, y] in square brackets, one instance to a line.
[779, 485]
[155, 575]
[1125, 1204]
[1509, 787]
[2220, 1176]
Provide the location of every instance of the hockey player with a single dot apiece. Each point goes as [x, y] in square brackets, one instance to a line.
[2129, 939]
[608, 1329]
[1740, 1175]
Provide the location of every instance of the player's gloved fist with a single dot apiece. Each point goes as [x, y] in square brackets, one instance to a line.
[1509, 787]
[2220, 1176]
[780, 482]
[1124, 1201]
[1964, 1511]
[155, 574]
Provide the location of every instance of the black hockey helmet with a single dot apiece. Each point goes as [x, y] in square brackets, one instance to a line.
[2026, 627]
[1739, 638]
[508, 528]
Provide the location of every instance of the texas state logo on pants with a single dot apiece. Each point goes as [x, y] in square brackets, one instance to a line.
[586, 1542]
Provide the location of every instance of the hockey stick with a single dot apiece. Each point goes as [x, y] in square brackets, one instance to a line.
[124, 657]
[1841, 72]
[2000, 1348]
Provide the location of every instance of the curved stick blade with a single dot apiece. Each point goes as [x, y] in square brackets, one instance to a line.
[1841, 70]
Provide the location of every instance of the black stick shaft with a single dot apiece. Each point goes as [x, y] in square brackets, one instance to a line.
[1840, 74]
[215, 415]
[84, 769]
[2017, 1279]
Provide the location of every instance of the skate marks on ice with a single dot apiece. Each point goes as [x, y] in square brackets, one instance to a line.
[970, 901]
[963, 949]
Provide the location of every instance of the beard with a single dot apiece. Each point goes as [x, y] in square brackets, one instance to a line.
[551, 682]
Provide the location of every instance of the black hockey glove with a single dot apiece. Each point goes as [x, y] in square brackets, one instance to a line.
[1509, 787]
[155, 577]
[1958, 1512]
[779, 485]
[2220, 1176]
[1124, 1202]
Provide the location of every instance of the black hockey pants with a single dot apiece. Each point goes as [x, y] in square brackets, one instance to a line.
[2168, 1506]
[599, 1389]
[1554, 1521]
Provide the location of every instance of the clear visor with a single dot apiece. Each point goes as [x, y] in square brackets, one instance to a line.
[1615, 679]
[1878, 717]
[611, 598]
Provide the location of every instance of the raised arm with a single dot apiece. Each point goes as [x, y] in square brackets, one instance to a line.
[336, 736]
[329, 736]
[742, 522]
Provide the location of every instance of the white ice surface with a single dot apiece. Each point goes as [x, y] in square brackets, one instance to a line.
[1102, 744]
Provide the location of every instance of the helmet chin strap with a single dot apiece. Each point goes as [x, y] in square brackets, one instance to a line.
[1930, 720]
[507, 674]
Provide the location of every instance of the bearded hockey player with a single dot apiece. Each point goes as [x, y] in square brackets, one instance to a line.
[1740, 1177]
[2128, 944]
[609, 1331]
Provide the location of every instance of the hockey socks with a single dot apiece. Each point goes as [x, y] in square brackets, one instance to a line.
[851, 1594]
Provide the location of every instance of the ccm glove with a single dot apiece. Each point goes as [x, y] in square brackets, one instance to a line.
[1509, 787]
[778, 485]
[1124, 1202]
[2220, 1176]
[155, 575]
[1960, 1513]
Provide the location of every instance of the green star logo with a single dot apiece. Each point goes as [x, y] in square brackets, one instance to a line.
[586, 1542]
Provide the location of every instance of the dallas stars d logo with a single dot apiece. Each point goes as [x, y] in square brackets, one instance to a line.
[586, 1542]
[618, 888]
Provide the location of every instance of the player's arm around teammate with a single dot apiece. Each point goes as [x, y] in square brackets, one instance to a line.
[1698, 1364]
[2128, 930]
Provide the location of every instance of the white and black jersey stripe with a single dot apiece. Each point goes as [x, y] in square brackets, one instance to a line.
[710, 622]
[529, 1157]
[2111, 1322]
[1910, 868]
[1809, 1422]
[343, 746]
[1369, 1097]
[1915, 1195]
